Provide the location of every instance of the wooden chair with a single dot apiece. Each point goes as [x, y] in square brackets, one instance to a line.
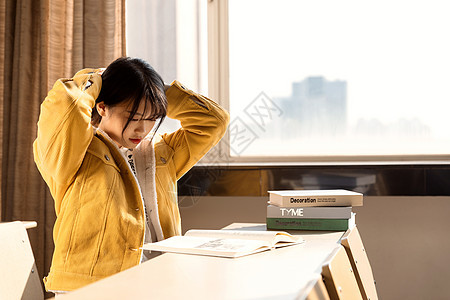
[339, 277]
[19, 278]
[356, 252]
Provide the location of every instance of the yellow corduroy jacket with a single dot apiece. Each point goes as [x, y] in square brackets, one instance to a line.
[100, 217]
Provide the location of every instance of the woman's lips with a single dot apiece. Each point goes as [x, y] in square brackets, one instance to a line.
[135, 141]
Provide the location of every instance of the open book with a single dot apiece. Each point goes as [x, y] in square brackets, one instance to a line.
[224, 243]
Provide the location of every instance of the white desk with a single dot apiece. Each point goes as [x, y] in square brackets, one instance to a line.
[278, 274]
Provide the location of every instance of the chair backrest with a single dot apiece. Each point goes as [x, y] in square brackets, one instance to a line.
[356, 252]
[19, 278]
[339, 277]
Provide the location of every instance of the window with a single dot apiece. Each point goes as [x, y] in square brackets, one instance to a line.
[309, 81]
[337, 80]
[171, 36]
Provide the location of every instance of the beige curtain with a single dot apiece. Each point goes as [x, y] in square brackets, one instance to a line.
[41, 41]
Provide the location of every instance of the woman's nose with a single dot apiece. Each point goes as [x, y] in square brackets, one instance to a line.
[140, 128]
[144, 127]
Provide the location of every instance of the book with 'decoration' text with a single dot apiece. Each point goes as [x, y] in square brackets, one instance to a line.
[224, 243]
[306, 198]
[323, 212]
[310, 224]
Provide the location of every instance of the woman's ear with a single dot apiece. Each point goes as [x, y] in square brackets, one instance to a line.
[101, 108]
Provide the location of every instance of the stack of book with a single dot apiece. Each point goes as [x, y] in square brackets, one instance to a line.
[312, 209]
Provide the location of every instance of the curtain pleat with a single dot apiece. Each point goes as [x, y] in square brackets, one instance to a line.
[41, 41]
[2, 79]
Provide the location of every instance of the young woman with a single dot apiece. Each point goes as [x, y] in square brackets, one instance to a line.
[113, 183]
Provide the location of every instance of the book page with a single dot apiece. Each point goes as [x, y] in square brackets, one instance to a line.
[271, 237]
[208, 246]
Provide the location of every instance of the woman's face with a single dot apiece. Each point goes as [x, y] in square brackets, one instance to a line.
[114, 119]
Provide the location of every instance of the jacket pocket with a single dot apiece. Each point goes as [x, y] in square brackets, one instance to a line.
[105, 157]
[163, 155]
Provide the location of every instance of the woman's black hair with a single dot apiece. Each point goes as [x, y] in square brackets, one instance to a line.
[132, 80]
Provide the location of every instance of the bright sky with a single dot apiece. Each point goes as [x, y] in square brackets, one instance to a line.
[394, 54]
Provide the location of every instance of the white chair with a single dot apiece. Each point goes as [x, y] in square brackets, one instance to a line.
[19, 278]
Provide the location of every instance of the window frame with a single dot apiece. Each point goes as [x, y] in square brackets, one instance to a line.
[218, 89]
